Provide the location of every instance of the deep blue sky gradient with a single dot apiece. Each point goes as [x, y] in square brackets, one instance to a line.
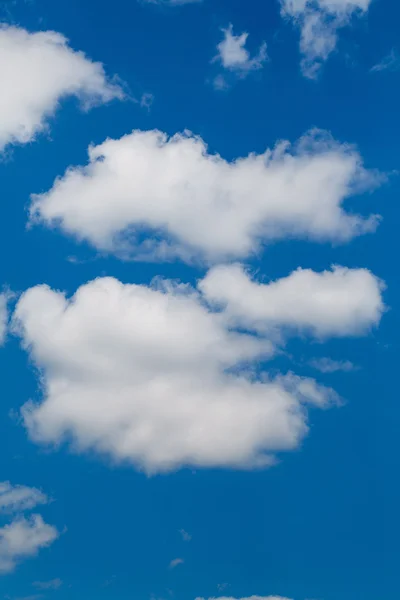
[322, 525]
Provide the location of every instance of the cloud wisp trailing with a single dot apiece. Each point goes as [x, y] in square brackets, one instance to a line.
[319, 22]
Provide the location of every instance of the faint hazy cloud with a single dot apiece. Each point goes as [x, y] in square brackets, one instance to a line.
[53, 584]
[327, 365]
[185, 535]
[391, 62]
[176, 562]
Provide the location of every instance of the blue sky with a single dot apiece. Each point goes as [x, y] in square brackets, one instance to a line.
[157, 406]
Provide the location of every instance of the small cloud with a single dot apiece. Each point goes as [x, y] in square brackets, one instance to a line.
[220, 83]
[175, 563]
[109, 582]
[146, 101]
[185, 535]
[18, 498]
[391, 62]
[233, 55]
[327, 365]
[53, 584]
[222, 586]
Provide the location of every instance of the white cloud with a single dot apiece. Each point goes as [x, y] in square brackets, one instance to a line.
[3, 317]
[197, 205]
[319, 22]
[341, 302]
[327, 365]
[16, 498]
[23, 538]
[233, 54]
[153, 377]
[391, 62]
[37, 70]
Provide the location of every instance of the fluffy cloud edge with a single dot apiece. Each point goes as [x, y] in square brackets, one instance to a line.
[170, 408]
[319, 22]
[40, 69]
[23, 538]
[18, 498]
[287, 192]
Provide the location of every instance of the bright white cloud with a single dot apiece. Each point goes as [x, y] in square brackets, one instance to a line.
[341, 302]
[319, 22]
[233, 54]
[17, 498]
[23, 538]
[197, 205]
[153, 377]
[37, 70]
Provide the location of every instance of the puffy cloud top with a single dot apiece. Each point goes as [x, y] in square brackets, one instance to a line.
[193, 204]
[157, 377]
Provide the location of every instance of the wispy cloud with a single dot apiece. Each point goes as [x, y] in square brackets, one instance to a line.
[176, 562]
[327, 365]
[234, 56]
[185, 535]
[17, 498]
[146, 101]
[391, 62]
[319, 22]
[53, 584]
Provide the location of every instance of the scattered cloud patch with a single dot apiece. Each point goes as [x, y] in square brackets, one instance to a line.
[178, 194]
[234, 56]
[327, 365]
[37, 70]
[53, 584]
[185, 535]
[18, 498]
[146, 101]
[23, 538]
[391, 62]
[319, 22]
[220, 83]
[176, 562]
